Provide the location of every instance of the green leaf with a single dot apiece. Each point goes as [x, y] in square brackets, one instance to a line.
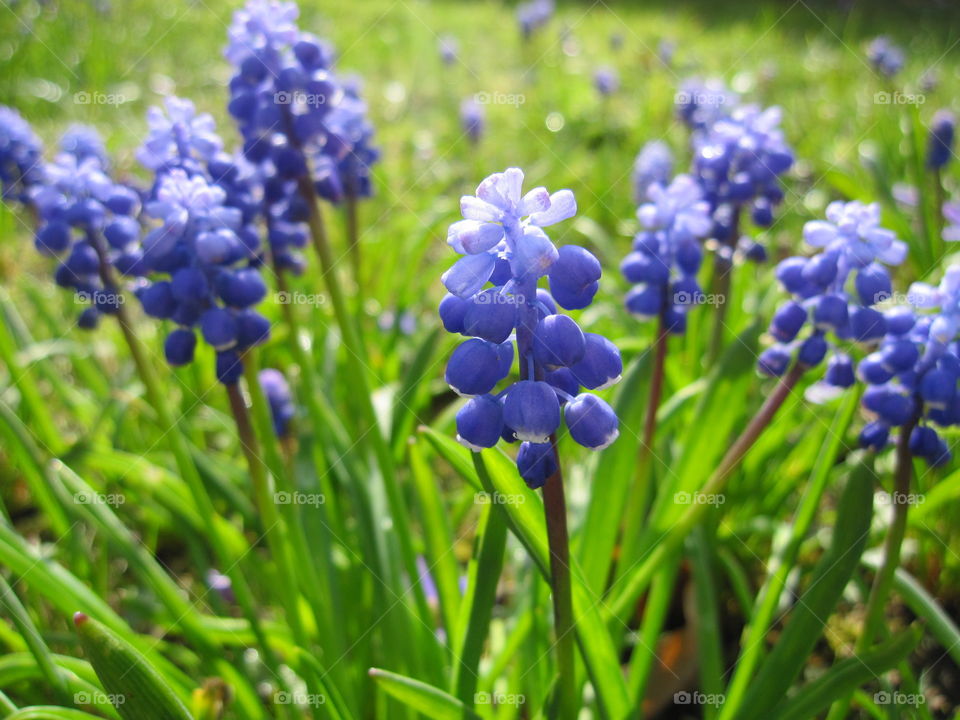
[477, 607]
[425, 699]
[137, 690]
[846, 676]
[809, 615]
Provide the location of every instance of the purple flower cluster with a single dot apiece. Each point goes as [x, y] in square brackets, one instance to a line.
[88, 222]
[914, 373]
[739, 160]
[834, 291]
[298, 121]
[211, 276]
[667, 253]
[494, 299]
[21, 156]
[473, 119]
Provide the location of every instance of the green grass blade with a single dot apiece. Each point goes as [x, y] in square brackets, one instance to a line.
[431, 702]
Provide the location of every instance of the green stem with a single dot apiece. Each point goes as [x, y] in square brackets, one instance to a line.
[883, 580]
[353, 238]
[555, 510]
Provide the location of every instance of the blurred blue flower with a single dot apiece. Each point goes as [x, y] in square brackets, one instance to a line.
[85, 219]
[83, 141]
[886, 58]
[494, 299]
[667, 253]
[449, 49]
[654, 164]
[699, 103]
[473, 118]
[606, 81]
[280, 399]
[940, 143]
[21, 156]
[951, 213]
[533, 15]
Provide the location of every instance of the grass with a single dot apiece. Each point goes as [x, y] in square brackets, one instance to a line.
[346, 589]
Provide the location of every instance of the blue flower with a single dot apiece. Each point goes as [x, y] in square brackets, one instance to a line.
[886, 58]
[951, 213]
[606, 81]
[739, 160]
[700, 104]
[449, 49]
[83, 141]
[835, 290]
[940, 143]
[494, 299]
[21, 156]
[206, 265]
[473, 119]
[179, 137]
[654, 164]
[294, 114]
[280, 399]
[533, 15]
[666, 253]
[88, 222]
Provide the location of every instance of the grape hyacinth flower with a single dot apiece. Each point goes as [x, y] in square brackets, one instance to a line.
[21, 157]
[278, 395]
[667, 253]
[212, 279]
[913, 375]
[700, 104]
[494, 299]
[353, 127]
[473, 118]
[834, 291]
[739, 161]
[88, 222]
[886, 58]
[940, 143]
[533, 15]
[449, 49]
[654, 164]
[83, 141]
[606, 81]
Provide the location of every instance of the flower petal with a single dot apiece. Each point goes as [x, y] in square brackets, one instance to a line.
[469, 274]
[471, 237]
[473, 208]
[562, 206]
